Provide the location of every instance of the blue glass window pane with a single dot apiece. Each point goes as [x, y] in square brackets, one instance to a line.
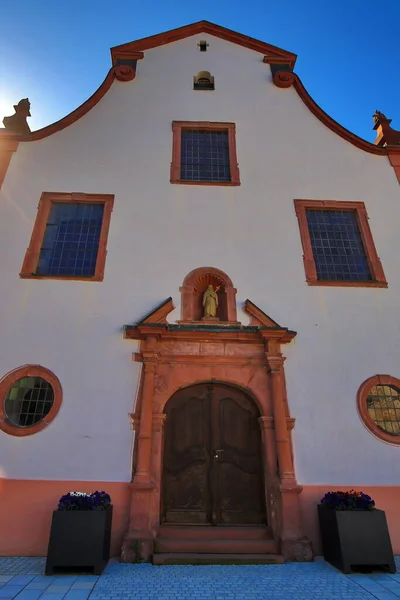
[337, 246]
[71, 240]
[205, 156]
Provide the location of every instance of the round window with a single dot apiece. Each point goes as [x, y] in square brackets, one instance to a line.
[28, 401]
[383, 404]
[379, 407]
[30, 398]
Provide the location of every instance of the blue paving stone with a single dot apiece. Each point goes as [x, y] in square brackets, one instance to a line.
[211, 582]
[29, 594]
[22, 565]
[370, 585]
[292, 581]
[38, 585]
[390, 584]
[10, 591]
[385, 596]
[74, 594]
[20, 580]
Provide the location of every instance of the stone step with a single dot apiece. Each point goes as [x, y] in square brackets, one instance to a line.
[184, 558]
[199, 532]
[216, 546]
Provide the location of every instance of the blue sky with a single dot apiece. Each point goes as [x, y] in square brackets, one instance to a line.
[56, 52]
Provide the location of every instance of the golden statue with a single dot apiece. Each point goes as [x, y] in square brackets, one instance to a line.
[210, 302]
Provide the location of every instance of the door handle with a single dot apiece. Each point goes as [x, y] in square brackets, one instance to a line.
[216, 452]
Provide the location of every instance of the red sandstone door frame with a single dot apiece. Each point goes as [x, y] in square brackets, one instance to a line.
[246, 357]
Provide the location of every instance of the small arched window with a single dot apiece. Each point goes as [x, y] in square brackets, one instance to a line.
[203, 81]
[378, 402]
[30, 398]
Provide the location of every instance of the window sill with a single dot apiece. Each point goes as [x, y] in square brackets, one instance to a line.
[217, 183]
[377, 284]
[61, 278]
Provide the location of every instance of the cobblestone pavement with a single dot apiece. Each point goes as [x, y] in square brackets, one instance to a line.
[23, 579]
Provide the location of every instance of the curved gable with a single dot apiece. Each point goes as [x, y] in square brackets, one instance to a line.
[125, 56]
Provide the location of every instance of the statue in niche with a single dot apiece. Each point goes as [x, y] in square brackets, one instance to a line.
[210, 302]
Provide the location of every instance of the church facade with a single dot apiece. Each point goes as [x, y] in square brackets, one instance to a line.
[199, 306]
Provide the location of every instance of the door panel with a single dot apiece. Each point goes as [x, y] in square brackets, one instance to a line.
[212, 458]
[186, 494]
[238, 465]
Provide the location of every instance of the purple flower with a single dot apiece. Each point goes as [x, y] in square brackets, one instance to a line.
[82, 501]
[348, 501]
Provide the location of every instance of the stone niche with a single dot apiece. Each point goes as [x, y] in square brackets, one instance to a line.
[193, 288]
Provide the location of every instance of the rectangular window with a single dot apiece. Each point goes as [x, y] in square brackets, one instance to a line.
[337, 244]
[204, 154]
[69, 237]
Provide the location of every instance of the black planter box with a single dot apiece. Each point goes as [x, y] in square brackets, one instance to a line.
[354, 539]
[79, 539]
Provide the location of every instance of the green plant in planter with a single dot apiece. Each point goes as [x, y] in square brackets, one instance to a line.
[348, 501]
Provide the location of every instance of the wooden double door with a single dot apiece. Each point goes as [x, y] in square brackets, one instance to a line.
[212, 462]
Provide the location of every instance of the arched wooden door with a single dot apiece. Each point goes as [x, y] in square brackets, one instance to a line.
[212, 469]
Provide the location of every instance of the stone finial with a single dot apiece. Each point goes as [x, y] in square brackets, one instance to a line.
[17, 122]
[379, 116]
[385, 135]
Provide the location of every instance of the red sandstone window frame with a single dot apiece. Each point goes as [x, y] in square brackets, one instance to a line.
[374, 263]
[32, 254]
[8, 381]
[362, 396]
[178, 126]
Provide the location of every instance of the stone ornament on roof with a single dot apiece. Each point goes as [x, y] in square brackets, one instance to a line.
[379, 116]
[17, 123]
[385, 135]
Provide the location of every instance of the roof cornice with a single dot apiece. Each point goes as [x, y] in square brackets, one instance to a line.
[205, 27]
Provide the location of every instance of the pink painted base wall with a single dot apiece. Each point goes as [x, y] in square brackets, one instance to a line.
[26, 509]
[386, 498]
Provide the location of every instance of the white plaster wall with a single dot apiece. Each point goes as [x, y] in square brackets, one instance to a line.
[159, 232]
